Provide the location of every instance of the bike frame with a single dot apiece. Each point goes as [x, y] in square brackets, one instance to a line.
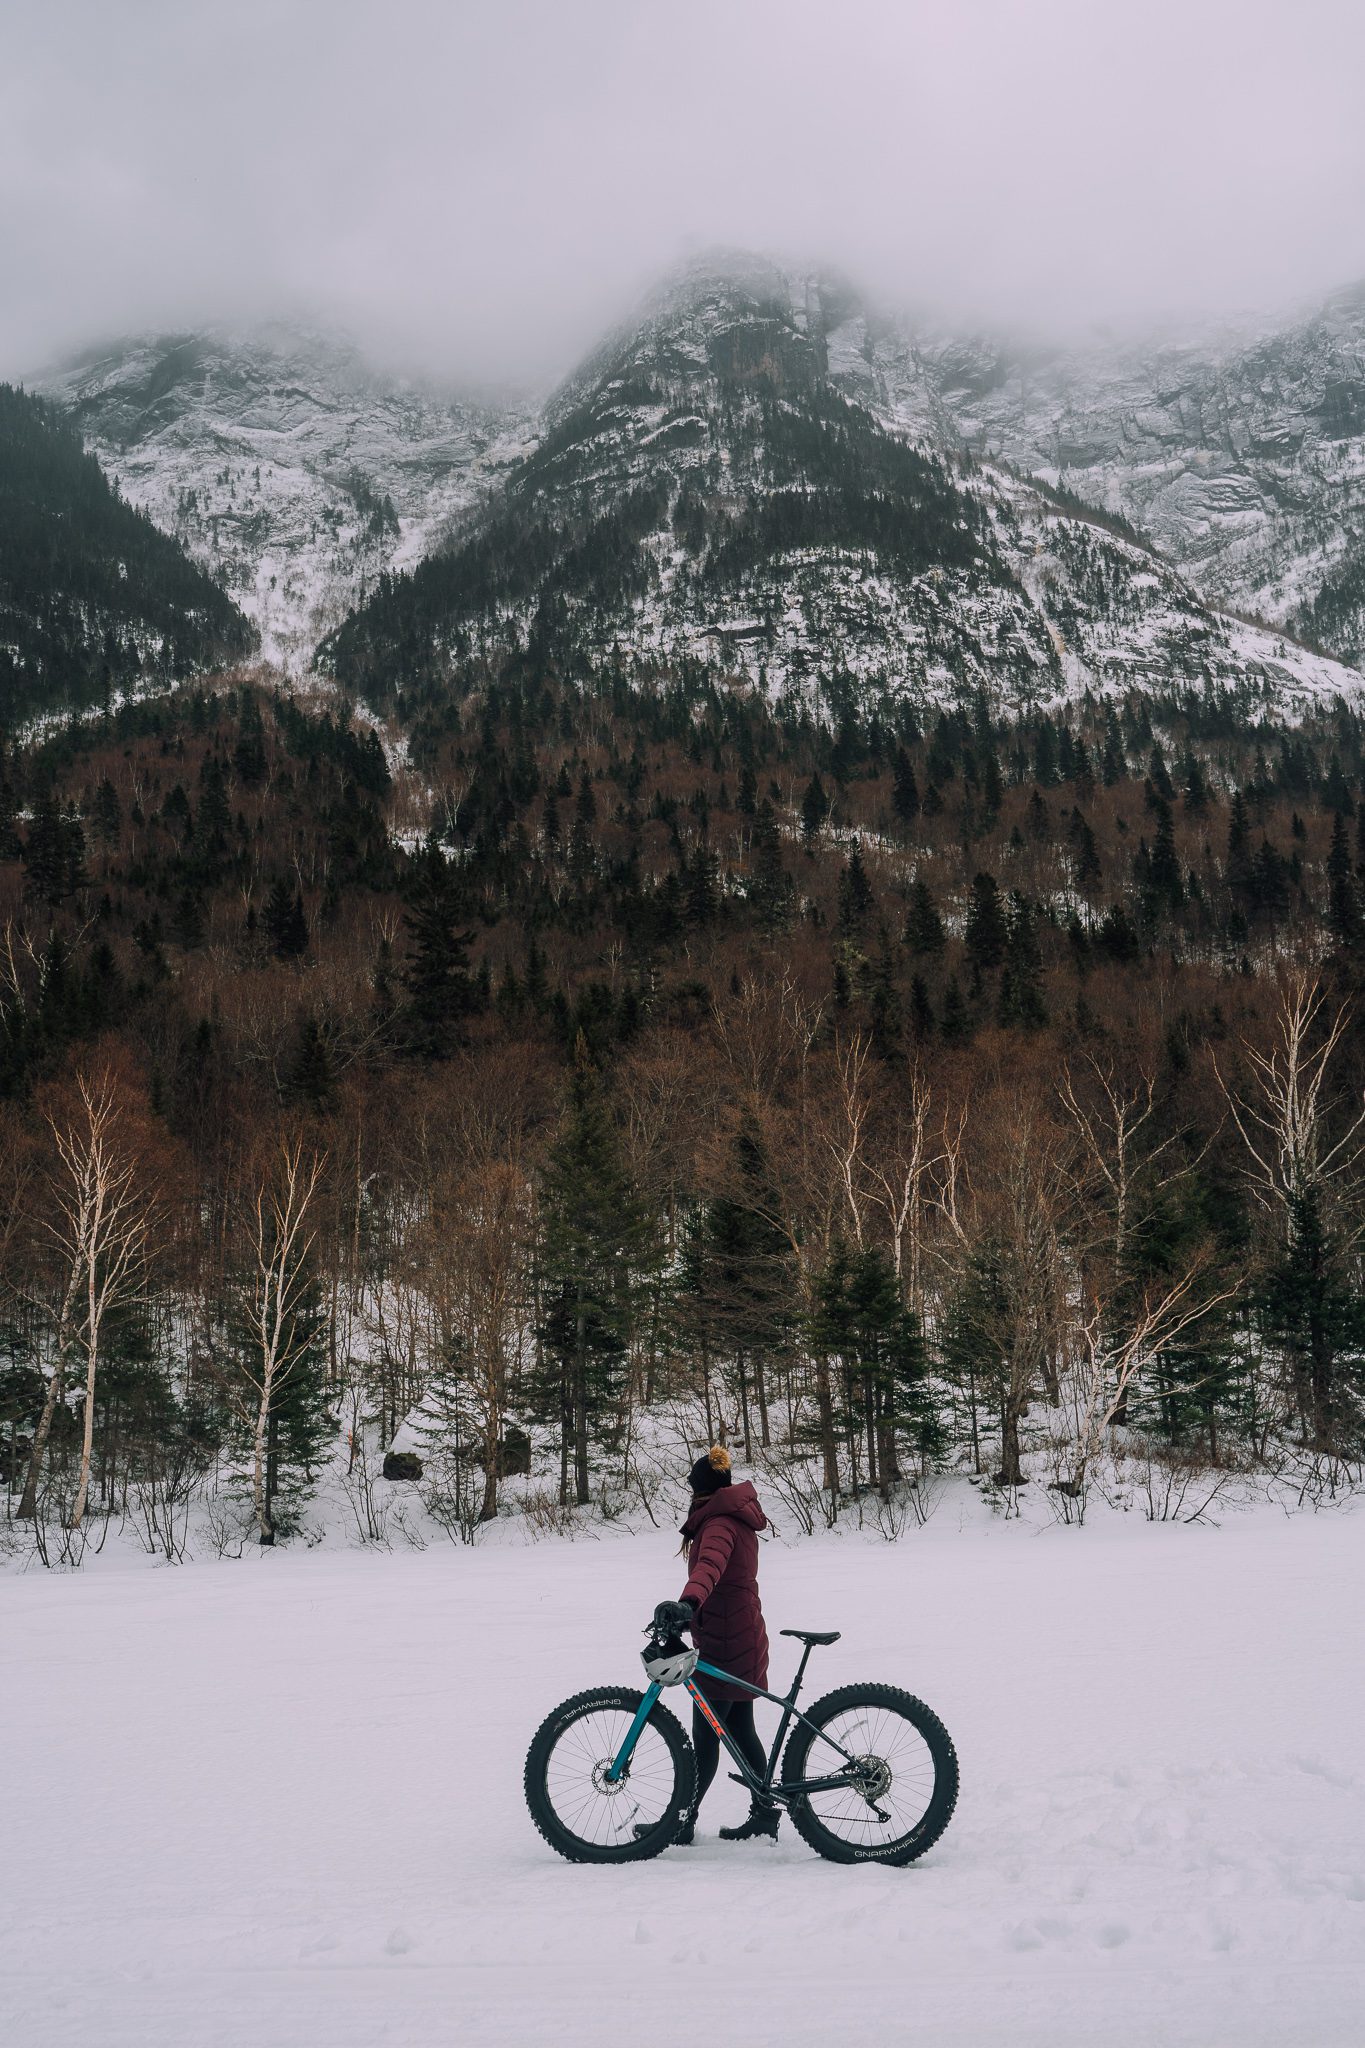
[764, 1787]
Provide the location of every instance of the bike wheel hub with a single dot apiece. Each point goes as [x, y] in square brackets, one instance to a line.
[602, 1783]
[873, 1777]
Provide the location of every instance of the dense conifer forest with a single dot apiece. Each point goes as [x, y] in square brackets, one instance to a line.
[94, 599]
[883, 1093]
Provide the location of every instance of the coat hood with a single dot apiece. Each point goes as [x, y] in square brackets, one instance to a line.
[740, 1503]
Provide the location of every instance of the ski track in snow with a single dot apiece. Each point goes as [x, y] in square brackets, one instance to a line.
[279, 1801]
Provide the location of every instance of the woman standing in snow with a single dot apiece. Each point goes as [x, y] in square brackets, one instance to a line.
[720, 1606]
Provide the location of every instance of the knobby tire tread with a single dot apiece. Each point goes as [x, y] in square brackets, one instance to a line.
[939, 1743]
[543, 1742]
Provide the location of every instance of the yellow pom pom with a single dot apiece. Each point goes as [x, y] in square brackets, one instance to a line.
[718, 1458]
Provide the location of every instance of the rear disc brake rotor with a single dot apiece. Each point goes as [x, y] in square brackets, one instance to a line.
[873, 1777]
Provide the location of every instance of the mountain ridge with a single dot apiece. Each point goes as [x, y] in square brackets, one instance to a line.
[741, 458]
[363, 478]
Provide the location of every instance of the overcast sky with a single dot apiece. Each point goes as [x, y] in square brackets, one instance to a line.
[477, 187]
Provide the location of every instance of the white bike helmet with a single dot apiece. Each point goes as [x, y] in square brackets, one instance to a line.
[667, 1665]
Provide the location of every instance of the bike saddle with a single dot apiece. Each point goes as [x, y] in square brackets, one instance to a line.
[810, 1636]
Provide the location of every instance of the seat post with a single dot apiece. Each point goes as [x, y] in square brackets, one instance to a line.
[788, 1709]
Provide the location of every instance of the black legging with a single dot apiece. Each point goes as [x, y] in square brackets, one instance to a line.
[738, 1716]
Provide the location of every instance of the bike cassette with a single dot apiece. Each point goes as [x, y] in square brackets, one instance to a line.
[872, 1778]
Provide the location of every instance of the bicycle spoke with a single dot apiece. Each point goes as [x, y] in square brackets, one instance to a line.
[598, 1813]
[891, 1740]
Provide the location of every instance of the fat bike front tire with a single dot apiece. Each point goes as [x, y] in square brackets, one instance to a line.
[910, 1769]
[578, 1812]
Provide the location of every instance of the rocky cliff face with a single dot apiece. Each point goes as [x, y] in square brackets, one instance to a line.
[284, 465]
[1243, 458]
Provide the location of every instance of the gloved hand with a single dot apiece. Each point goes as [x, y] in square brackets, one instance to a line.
[671, 1617]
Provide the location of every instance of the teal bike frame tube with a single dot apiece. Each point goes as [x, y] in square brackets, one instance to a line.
[627, 1749]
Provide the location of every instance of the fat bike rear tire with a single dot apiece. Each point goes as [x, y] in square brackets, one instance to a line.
[915, 1777]
[577, 1811]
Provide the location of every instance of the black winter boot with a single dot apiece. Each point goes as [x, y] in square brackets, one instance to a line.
[760, 1826]
[684, 1836]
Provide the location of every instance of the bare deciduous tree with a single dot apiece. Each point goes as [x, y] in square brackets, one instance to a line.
[1008, 1221]
[101, 1226]
[1122, 1172]
[1305, 1151]
[279, 1238]
[475, 1277]
[1105, 1369]
[1285, 1128]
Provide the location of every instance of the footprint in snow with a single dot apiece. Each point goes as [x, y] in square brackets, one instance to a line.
[1314, 1767]
[1037, 1933]
[398, 1943]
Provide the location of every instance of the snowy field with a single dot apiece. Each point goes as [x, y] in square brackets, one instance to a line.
[279, 1801]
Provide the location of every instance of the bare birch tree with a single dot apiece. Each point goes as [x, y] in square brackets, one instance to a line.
[104, 1218]
[280, 1238]
[1305, 1150]
[475, 1274]
[1011, 1265]
[902, 1185]
[1284, 1125]
[1105, 1369]
[1123, 1171]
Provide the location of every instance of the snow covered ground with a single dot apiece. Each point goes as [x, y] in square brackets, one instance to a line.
[278, 1801]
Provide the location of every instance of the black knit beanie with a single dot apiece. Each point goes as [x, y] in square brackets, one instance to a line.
[712, 1472]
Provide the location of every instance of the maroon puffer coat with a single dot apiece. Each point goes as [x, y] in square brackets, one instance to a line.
[722, 1577]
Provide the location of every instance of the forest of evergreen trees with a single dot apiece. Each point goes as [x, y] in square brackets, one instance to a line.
[1336, 615]
[629, 1064]
[93, 598]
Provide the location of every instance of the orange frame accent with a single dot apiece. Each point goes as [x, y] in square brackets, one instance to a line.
[700, 1701]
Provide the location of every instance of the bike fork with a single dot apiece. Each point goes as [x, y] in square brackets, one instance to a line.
[620, 1763]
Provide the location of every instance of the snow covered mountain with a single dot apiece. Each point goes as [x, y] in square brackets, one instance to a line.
[762, 474]
[283, 464]
[1241, 455]
[734, 480]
